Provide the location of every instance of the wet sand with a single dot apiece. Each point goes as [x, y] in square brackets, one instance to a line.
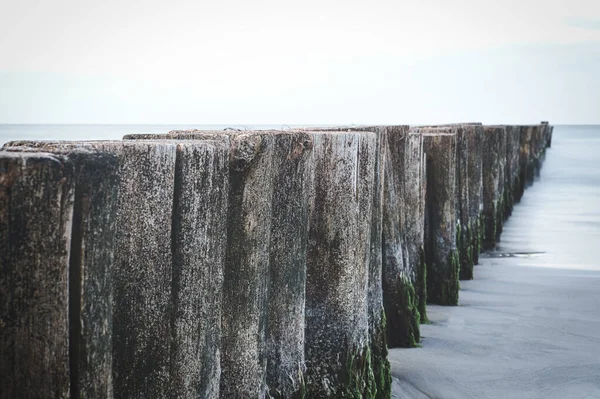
[520, 332]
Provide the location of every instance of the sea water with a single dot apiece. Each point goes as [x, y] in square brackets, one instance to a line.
[557, 222]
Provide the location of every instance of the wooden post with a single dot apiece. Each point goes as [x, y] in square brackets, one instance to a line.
[440, 216]
[414, 217]
[525, 169]
[245, 302]
[199, 246]
[463, 234]
[399, 273]
[337, 265]
[377, 320]
[494, 160]
[513, 139]
[90, 265]
[36, 210]
[475, 181]
[292, 176]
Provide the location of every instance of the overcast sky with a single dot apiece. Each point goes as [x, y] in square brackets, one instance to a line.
[300, 62]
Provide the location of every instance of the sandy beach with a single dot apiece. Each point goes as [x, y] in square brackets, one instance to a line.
[520, 332]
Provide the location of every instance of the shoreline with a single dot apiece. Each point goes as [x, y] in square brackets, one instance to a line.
[519, 331]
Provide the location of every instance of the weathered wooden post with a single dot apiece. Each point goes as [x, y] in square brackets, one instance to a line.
[377, 318]
[199, 191]
[92, 243]
[547, 134]
[525, 170]
[463, 233]
[292, 177]
[414, 217]
[36, 211]
[376, 312]
[143, 267]
[337, 353]
[401, 263]
[244, 314]
[468, 178]
[439, 145]
[513, 139]
[475, 182]
[199, 245]
[282, 345]
[494, 160]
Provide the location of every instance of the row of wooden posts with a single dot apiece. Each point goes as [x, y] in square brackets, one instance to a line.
[242, 264]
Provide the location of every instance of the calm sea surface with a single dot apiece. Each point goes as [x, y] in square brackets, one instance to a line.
[557, 223]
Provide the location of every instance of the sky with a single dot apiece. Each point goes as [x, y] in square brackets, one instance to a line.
[300, 62]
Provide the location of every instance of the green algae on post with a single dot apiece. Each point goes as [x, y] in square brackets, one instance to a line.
[475, 181]
[377, 321]
[494, 159]
[338, 261]
[398, 292]
[462, 202]
[421, 286]
[440, 217]
[380, 363]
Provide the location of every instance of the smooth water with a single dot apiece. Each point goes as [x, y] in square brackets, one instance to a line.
[557, 223]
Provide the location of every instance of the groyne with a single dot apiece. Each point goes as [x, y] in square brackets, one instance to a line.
[242, 264]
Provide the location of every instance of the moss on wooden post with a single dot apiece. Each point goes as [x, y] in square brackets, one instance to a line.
[440, 216]
[337, 263]
[399, 266]
[377, 319]
[513, 139]
[494, 160]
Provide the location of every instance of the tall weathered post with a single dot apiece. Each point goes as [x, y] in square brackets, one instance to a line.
[337, 353]
[525, 167]
[377, 317]
[547, 134]
[494, 160]
[475, 182]
[143, 267]
[281, 315]
[199, 246]
[439, 145]
[292, 177]
[468, 184]
[513, 139]
[36, 211]
[92, 244]
[414, 218]
[463, 233]
[245, 283]
[401, 261]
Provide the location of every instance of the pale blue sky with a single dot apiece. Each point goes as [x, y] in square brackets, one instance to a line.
[313, 62]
